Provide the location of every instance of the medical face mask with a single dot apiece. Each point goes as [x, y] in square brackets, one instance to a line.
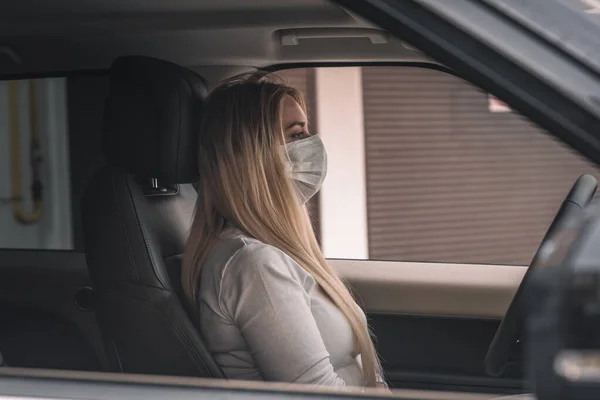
[308, 165]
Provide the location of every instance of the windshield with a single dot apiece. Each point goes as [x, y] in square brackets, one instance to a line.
[571, 25]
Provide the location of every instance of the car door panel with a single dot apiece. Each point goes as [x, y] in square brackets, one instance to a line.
[433, 323]
[439, 352]
[46, 311]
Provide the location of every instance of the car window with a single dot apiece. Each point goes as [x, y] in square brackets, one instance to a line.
[50, 147]
[35, 208]
[423, 166]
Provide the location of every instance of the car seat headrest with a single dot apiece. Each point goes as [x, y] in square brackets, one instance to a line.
[152, 119]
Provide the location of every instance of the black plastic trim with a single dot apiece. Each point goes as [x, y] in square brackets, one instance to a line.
[124, 386]
[54, 74]
[320, 64]
[487, 68]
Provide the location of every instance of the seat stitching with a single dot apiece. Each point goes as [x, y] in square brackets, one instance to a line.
[178, 134]
[122, 225]
[116, 350]
[144, 236]
[183, 338]
[139, 284]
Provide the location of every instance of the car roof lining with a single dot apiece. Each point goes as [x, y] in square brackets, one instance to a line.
[70, 35]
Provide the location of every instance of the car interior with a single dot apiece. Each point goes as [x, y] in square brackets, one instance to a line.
[134, 77]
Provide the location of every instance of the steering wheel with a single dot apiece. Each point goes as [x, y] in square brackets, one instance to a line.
[510, 331]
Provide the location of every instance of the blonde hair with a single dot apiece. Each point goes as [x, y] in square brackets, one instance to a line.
[244, 180]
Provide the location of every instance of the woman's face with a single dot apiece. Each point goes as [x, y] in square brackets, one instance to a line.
[295, 123]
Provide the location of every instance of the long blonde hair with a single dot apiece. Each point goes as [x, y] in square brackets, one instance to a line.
[244, 180]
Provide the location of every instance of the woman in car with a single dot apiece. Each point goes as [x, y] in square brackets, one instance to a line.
[270, 307]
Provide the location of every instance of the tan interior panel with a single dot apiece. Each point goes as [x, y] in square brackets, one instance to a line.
[236, 385]
[462, 290]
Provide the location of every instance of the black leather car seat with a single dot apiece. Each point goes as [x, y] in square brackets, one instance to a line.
[136, 215]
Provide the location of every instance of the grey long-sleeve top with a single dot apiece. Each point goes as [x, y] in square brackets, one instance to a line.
[264, 317]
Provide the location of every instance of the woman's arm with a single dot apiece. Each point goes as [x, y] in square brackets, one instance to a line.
[263, 294]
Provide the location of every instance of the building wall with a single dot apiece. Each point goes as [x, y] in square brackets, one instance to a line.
[343, 200]
[450, 181]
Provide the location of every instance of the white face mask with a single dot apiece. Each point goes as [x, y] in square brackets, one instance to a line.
[308, 165]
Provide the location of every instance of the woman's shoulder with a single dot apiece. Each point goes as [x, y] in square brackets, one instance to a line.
[238, 253]
[235, 243]
[240, 267]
